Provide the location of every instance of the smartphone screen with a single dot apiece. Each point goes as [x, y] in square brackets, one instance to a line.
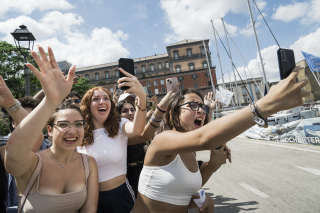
[128, 65]
[286, 62]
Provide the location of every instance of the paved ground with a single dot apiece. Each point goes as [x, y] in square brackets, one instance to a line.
[267, 177]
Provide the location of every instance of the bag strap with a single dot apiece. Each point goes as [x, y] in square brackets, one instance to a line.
[30, 184]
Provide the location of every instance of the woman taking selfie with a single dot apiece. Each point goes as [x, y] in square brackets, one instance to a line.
[106, 139]
[58, 179]
[170, 175]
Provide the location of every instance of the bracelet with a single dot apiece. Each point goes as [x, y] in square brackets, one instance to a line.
[15, 107]
[161, 110]
[153, 125]
[153, 119]
[142, 110]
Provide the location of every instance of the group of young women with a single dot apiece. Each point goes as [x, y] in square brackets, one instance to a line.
[85, 168]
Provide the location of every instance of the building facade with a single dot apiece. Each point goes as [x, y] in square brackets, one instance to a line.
[185, 60]
[243, 90]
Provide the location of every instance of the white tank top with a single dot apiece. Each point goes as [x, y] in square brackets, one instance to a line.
[172, 183]
[110, 153]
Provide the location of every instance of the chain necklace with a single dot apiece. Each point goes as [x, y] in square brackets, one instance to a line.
[61, 165]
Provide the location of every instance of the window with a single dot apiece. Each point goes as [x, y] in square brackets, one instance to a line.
[148, 84]
[163, 90]
[194, 76]
[180, 78]
[178, 68]
[202, 51]
[152, 67]
[204, 64]
[155, 83]
[135, 70]
[149, 92]
[159, 66]
[244, 91]
[167, 65]
[87, 76]
[176, 54]
[117, 73]
[189, 52]
[196, 85]
[143, 68]
[191, 66]
[96, 76]
[156, 91]
[162, 82]
[106, 74]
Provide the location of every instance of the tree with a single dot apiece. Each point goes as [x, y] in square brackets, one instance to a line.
[12, 69]
[82, 86]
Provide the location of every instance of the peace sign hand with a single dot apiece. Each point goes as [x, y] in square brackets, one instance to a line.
[54, 84]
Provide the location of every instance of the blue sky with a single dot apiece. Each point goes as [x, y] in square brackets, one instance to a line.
[90, 32]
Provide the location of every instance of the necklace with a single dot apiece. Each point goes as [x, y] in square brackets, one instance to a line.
[61, 165]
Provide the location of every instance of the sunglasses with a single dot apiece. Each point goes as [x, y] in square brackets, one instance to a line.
[194, 106]
[127, 110]
[73, 101]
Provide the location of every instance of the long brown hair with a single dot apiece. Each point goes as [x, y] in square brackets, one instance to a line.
[172, 120]
[111, 124]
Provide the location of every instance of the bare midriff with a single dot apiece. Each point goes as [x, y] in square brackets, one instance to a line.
[112, 183]
[155, 206]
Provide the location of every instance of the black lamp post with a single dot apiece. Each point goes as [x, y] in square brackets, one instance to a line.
[24, 40]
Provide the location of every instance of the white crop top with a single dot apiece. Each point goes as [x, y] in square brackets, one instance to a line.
[172, 183]
[110, 153]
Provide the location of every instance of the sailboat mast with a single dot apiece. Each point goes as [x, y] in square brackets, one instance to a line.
[218, 54]
[209, 68]
[258, 46]
[230, 57]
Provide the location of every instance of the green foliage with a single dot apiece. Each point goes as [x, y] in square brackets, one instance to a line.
[12, 69]
[4, 124]
[82, 86]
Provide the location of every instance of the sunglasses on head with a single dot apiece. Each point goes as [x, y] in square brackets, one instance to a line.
[194, 106]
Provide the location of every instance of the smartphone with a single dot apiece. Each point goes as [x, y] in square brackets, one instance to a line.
[286, 62]
[128, 65]
[172, 84]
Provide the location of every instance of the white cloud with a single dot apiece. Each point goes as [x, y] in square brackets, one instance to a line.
[307, 12]
[61, 32]
[26, 7]
[308, 43]
[191, 19]
[291, 12]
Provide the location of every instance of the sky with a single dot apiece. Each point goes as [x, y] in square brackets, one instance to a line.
[92, 32]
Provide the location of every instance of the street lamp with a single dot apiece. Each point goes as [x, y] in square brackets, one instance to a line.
[24, 40]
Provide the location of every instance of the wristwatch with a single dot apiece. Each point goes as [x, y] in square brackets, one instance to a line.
[257, 117]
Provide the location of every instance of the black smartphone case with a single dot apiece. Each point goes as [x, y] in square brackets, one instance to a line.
[286, 62]
[128, 65]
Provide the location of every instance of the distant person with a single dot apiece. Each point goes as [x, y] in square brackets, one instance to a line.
[73, 98]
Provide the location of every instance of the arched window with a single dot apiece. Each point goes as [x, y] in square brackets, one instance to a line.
[178, 68]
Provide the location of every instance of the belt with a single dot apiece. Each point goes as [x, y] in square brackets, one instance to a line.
[135, 163]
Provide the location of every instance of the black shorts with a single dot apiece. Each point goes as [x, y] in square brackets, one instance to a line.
[118, 200]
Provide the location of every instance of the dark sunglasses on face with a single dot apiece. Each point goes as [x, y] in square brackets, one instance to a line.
[66, 124]
[194, 106]
[127, 110]
[73, 101]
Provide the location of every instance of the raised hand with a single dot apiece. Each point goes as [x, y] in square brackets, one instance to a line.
[6, 97]
[132, 82]
[209, 100]
[54, 84]
[286, 94]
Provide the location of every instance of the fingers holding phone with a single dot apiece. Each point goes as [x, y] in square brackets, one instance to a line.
[172, 84]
